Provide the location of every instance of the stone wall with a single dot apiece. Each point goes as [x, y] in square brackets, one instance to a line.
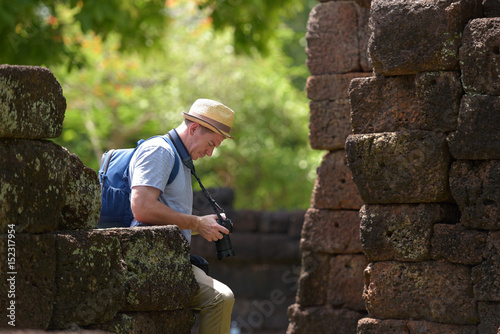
[423, 154]
[57, 271]
[329, 298]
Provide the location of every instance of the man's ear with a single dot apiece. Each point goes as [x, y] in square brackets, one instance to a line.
[193, 127]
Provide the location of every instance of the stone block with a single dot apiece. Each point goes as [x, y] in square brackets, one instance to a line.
[427, 101]
[486, 276]
[27, 272]
[89, 278]
[418, 36]
[455, 244]
[475, 186]
[322, 319]
[490, 315]
[345, 284]
[480, 56]
[82, 196]
[329, 124]
[32, 104]
[44, 188]
[478, 132]
[158, 272]
[390, 326]
[331, 231]
[332, 40]
[432, 291]
[331, 87]
[334, 188]
[402, 232]
[168, 322]
[400, 167]
[313, 280]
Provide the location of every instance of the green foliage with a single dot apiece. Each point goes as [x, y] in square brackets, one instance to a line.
[123, 98]
[254, 23]
[37, 32]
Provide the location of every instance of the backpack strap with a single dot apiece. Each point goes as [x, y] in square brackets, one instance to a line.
[175, 169]
[179, 146]
[105, 163]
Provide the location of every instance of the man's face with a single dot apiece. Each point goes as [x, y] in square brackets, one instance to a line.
[203, 142]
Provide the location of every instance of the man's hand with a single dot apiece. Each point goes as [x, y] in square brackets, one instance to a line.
[209, 229]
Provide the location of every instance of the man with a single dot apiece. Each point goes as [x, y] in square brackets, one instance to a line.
[154, 202]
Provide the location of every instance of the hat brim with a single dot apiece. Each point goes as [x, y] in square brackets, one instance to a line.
[206, 124]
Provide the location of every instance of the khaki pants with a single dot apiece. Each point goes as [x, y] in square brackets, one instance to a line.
[214, 301]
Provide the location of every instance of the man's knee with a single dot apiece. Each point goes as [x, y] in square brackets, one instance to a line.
[228, 297]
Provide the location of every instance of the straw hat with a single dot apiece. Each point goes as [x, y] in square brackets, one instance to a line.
[212, 115]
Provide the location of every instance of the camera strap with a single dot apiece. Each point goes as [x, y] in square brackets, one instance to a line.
[188, 162]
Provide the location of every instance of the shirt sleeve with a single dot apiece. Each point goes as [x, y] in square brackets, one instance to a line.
[151, 166]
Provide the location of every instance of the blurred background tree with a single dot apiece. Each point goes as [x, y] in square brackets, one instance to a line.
[128, 70]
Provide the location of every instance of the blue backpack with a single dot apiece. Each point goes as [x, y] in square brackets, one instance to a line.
[115, 189]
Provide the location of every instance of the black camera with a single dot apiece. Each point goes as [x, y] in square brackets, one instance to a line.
[223, 246]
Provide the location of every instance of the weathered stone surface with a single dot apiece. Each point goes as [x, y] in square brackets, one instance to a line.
[31, 103]
[418, 36]
[89, 278]
[426, 101]
[331, 231]
[334, 187]
[475, 185]
[171, 322]
[82, 200]
[158, 273]
[486, 276]
[480, 57]
[313, 280]
[490, 315]
[332, 39]
[44, 188]
[27, 271]
[32, 184]
[322, 320]
[331, 86]
[329, 124]
[345, 284]
[454, 243]
[433, 291]
[402, 232]
[377, 326]
[400, 167]
[478, 131]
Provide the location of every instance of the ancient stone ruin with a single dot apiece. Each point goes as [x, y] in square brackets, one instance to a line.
[61, 272]
[422, 142]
